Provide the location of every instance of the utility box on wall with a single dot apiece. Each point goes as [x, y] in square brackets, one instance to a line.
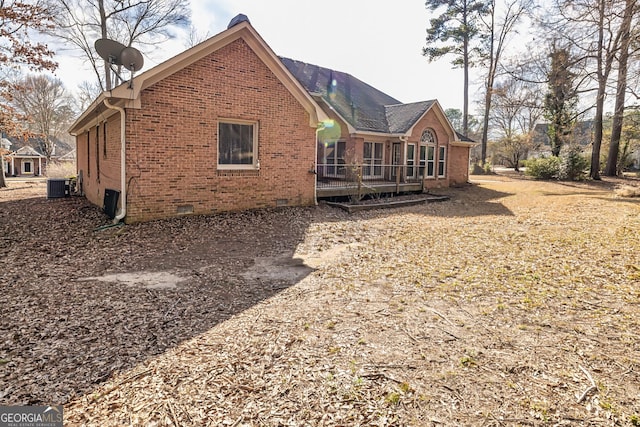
[111, 202]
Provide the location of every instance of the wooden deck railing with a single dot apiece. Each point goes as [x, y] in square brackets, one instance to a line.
[358, 179]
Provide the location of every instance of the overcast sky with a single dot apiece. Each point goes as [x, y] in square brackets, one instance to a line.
[379, 42]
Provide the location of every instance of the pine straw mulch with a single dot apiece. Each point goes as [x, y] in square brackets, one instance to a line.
[515, 303]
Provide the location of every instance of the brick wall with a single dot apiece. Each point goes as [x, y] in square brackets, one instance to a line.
[458, 165]
[431, 121]
[98, 158]
[172, 141]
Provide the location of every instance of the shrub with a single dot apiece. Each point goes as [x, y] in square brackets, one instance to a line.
[573, 166]
[543, 168]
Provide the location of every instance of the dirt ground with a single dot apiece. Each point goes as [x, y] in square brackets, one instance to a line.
[514, 303]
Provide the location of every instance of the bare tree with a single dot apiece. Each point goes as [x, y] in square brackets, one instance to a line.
[17, 20]
[593, 28]
[46, 106]
[630, 11]
[145, 23]
[498, 30]
[517, 107]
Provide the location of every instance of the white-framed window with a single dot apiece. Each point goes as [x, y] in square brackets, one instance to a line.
[442, 152]
[333, 159]
[428, 137]
[428, 154]
[27, 166]
[411, 160]
[372, 158]
[237, 144]
[431, 161]
[427, 167]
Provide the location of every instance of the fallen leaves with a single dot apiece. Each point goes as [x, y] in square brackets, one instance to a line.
[487, 309]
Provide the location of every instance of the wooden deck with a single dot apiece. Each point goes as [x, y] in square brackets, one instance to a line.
[345, 188]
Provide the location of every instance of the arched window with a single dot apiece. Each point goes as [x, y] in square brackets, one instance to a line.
[428, 137]
[427, 167]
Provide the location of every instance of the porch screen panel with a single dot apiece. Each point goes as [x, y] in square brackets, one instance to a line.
[335, 158]
[235, 145]
[372, 159]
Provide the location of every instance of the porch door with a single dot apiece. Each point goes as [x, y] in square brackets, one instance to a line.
[396, 159]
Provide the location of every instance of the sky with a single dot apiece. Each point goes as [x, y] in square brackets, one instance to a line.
[379, 42]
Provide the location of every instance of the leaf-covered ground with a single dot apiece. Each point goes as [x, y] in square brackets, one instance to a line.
[514, 303]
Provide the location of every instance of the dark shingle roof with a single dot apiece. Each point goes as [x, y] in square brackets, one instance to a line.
[401, 117]
[363, 106]
[464, 138]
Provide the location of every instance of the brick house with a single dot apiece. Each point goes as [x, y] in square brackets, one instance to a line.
[25, 161]
[228, 125]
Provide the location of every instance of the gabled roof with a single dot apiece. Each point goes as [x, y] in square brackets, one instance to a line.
[402, 117]
[359, 104]
[128, 94]
[363, 107]
[26, 151]
[464, 138]
[70, 156]
[581, 133]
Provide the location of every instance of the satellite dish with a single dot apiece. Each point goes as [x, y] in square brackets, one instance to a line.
[109, 50]
[131, 59]
[115, 53]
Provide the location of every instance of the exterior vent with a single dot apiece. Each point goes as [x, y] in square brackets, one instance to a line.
[237, 20]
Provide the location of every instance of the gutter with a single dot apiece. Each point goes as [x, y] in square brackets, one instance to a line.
[123, 163]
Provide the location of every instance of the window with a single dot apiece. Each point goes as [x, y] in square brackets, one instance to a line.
[237, 145]
[411, 160]
[372, 159]
[441, 161]
[428, 154]
[334, 158]
[423, 160]
[431, 161]
[428, 137]
[27, 166]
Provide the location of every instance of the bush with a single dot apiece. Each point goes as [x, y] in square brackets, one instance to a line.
[543, 168]
[573, 166]
[60, 169]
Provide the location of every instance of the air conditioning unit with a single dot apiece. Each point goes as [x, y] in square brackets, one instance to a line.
[56, 188]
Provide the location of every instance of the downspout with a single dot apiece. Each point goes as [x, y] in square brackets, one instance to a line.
[123, 163]
[315, 170]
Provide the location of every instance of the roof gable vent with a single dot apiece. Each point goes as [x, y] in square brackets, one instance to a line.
[238, 19]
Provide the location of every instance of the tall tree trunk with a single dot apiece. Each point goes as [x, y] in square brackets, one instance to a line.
[491, 73]
[618, 114]
[465, 101]
[103, 32]
[594, 173]
[3, 182]
[465, 59]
